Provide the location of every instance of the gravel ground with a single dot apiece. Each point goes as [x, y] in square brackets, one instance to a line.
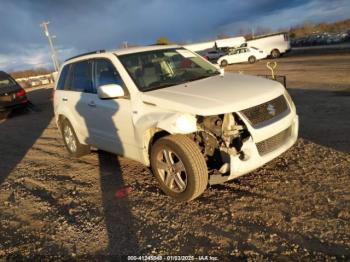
[297, 207]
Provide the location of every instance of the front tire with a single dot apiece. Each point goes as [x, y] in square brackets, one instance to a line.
[179, 167]
[73, 146]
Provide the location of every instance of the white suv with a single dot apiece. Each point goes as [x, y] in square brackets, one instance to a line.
[172, 110]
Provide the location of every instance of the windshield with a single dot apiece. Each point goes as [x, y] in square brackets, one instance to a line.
[6, 81]
[163, 68]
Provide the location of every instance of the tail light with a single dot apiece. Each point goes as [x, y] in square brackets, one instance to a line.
[21, 93]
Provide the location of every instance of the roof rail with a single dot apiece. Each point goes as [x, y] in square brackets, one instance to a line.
[89, 53]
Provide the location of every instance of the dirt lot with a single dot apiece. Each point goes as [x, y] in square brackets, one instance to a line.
[295, 208]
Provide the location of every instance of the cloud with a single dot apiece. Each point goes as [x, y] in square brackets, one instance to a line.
[34, 58]
[31, 57]
[82, 26]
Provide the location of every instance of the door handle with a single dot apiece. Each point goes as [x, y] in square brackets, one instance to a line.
[65, 99]
[92, 104]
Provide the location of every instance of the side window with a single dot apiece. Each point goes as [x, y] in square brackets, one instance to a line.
[63, 77]
[105, 73]
[80, 77]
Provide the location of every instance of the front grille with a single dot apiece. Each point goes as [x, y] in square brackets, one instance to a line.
[274, 142]
[259, 114]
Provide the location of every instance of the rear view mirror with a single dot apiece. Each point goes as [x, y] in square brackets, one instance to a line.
[110, 91]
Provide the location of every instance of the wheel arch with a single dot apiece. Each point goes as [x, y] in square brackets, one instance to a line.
[62, 117]
[252, 56]
[275, 49]
[151, 127]
[151, 136]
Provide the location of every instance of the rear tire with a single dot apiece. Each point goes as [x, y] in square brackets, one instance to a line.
[275, 53]
[70, 139]
[179, 167]
[223, 63]
[252, 59]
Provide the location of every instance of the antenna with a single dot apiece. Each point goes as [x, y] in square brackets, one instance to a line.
[53, 51]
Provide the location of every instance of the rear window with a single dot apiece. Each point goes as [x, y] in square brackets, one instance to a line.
[6, 81]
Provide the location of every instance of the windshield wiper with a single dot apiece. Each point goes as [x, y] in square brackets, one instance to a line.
[168, 84]
[161, 86]
[203, 76]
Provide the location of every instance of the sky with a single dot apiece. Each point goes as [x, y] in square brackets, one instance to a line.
[86, 25]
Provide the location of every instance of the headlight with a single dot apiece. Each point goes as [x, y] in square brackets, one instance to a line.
[289, 99]
[186, 123]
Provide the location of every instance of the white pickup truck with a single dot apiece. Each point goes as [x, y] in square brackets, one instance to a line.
[174, 111]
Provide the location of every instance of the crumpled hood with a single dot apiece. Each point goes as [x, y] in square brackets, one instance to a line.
[216, 95]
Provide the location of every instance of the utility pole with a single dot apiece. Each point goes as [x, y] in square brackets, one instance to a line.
[53, 52]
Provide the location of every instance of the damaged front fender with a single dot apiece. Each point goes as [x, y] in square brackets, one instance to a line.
[172, 123]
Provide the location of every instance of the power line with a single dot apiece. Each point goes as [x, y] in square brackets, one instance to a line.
[53, 51]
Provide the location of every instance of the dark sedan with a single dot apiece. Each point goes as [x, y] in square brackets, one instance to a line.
[12, 95]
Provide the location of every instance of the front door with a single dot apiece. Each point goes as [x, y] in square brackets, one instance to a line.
[112, 118]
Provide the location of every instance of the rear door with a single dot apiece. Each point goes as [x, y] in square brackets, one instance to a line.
[76, 97]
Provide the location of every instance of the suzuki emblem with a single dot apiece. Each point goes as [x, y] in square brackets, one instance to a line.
[271, 109]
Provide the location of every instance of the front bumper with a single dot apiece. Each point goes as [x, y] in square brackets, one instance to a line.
[253, 159]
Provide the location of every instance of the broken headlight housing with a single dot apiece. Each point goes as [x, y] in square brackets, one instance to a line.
[289, 99]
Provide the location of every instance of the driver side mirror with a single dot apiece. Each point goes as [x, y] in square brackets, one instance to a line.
[110, 91]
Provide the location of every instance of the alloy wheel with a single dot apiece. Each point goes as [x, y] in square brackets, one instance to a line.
[70, 138]
[171, 170]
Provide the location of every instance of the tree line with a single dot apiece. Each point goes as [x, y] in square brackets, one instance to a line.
[30, 72]
[308, 28]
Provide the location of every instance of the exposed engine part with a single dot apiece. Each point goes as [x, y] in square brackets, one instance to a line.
[229, 150]
[210, 143]
[220, 137]
[221, 132]
[207, 142]
[230, 129]
[212, 124]
[225, 168]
